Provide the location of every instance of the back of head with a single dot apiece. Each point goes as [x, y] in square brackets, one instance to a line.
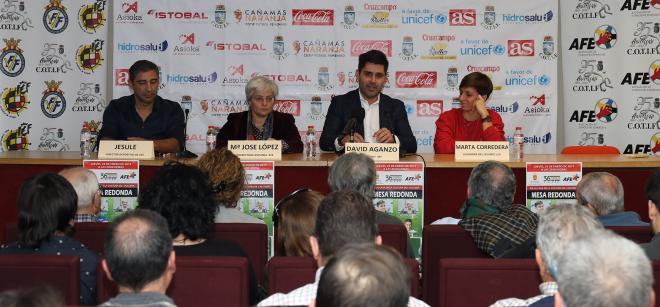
[353, 171]
[297, 217]
[40, 296]
[373, 57]
[226, 174]
[84, 182]
[141, 66]
[493, 183]
[559, 225]
[602, 190]
[137, 248]
[604, 269]
[344, 217]
[46, 203]
[653, 187]
[478, 81]
[364, 275]
[182, 195]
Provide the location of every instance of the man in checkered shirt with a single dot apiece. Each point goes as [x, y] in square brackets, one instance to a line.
[87, 187]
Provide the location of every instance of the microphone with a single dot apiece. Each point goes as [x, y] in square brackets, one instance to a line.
[357, 115]
[186, 105]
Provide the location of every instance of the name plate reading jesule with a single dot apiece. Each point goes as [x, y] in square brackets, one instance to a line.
[377, 151]
[270, 150]
[481, 151]
[127, 150]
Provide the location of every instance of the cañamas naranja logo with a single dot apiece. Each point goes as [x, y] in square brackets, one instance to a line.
[89, 57]
[55, 18]
[13, 61]
[15, 99]
[92, 16]
[17, 139]
[53, 103]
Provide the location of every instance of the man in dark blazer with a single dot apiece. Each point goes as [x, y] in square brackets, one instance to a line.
[385, 118]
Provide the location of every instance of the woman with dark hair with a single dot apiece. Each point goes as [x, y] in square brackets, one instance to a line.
[47, 204]
[183, 196]
[294, 218]
[473, 121]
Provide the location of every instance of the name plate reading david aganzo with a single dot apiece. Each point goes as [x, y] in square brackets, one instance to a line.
[127, 150]
[377, 151]
[270, 150]
[481, 151]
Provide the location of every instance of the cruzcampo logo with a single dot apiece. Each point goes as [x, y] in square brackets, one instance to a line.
[55, 18]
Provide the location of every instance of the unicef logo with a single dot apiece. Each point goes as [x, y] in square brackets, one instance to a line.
[605, 37]
[441, 19]
[544, 80]
[606, 110]
[499, 50]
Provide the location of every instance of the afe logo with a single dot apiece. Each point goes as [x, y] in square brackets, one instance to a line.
[523, 47]
[462, 17]
[431, 108]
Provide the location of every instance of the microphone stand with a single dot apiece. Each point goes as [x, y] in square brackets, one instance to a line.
[185, 154]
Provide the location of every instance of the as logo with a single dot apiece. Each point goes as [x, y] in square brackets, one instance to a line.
[17, 139]
[432, 108]
[13, 61]
[121, 77]
[462, 17]
[53, 103]
[91, 16]
[524, 47]
[606, 110]
[55, 18]
[89, 57]
[15, 99]
[605, 36]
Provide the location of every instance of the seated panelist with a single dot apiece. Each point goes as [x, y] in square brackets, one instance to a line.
[473, 121]
[260, 121]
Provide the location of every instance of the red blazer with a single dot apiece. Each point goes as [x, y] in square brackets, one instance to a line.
[451, 127]
[284, 128]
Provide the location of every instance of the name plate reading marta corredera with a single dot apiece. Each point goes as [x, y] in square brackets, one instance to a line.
[127, 150]
[481, 151]
[270, 150]
[377, 151]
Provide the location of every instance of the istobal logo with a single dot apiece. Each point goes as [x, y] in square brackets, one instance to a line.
[192, 79]
[501, 108]
[133, 47]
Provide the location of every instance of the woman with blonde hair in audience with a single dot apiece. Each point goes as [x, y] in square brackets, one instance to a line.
[294, 219]
[227, 178]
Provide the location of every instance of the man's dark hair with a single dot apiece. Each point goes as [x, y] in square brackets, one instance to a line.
[364, 275]
[344, 217]
[141, 66]
[653, 187]
[373, 57]
[137, 248]
[479, 81]
[46, 203]
[182, 195]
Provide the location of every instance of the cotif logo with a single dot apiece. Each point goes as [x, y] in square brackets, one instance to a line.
[361, 46]
[313, 17]
[523, 47]
[416, 79]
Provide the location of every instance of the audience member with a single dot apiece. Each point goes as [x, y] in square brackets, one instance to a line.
[227, 180]
[602, 193]
[652, 248]
[343, 218]
[497, 225]
[603, 269]
[46, 206]
[40, 296]
[87, 188]
[364, 275]
[557, 226]
[182, 195]
[139, 259]
[294, 219]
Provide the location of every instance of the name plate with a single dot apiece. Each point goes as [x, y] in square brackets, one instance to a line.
[127, 150]
[270, 150]
[481, 151]
[377, 151]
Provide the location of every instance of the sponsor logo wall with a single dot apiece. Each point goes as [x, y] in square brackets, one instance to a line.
[605, 102]
[52, 73]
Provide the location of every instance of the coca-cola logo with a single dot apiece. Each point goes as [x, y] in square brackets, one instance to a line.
[313, 17]
[416, 79]
[361, 46]
[287, 106]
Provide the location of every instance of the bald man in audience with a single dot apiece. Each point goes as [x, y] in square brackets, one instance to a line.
[86, 185]
[652, 248]
[602, 193]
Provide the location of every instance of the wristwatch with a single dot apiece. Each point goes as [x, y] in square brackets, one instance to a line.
[487, 119]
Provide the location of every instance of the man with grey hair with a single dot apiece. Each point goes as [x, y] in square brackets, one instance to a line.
[496, 224]
[557, 226]
[604, 269]
[87, 187]
[602, 193]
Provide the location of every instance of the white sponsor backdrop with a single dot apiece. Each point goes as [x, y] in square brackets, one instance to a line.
[611, 69]
[53, 72]
[209, 50]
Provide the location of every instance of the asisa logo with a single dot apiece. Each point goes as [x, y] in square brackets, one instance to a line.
[186, 45]
[15, 100]
[89, 57]
[91, 16]
[13, 61]
[55, 18]
[512, 108]
[129, 13]
[17, 139]
[137, 47]
[537, 106]
[53, 103]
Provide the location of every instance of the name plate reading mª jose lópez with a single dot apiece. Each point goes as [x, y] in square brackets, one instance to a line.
[377, 151]
[270, 150]
[127, 150]
[481, 151]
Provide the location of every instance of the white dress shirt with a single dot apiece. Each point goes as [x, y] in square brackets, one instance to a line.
[371, 121]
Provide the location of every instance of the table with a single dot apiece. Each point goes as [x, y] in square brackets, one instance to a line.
[445, 186]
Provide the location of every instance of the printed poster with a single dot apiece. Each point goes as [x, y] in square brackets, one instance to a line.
[550, 183]
[257, 197]
[119, 183]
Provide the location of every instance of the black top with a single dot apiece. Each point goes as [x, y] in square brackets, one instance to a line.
[284, 128]
[222, 248]
[121, 121]
[66, 246]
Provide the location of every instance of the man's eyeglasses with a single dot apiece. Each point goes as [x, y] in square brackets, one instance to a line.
[279, 205]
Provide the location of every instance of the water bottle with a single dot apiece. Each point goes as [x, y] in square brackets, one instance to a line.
[310, 144]
[211, 137]
[518, 144]
[85, 141]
